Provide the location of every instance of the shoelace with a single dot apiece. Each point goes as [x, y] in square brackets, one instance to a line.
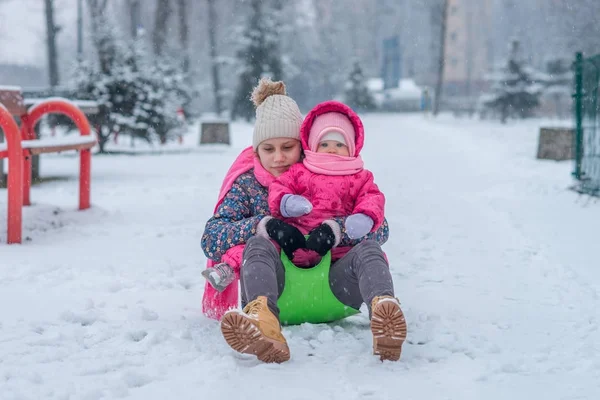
[223, 269]
[253, 308]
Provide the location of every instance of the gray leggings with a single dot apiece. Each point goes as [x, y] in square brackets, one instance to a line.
[358, 277]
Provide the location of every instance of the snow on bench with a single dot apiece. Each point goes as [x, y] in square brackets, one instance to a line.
[39, 146]
[11, 99]
[87, 106]
[11, 88]
[20, 162]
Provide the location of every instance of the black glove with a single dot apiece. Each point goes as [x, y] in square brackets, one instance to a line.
[321, 239]
[288, 237]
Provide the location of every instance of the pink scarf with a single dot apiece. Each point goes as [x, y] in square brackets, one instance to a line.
[215, 304]
[264, 177]
[332, 164]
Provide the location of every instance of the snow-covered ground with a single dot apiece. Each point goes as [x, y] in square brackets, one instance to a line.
[494, 261]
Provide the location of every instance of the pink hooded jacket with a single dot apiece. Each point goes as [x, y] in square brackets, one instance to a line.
[330, 195]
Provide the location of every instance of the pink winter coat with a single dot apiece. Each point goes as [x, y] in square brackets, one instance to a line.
[330, 195]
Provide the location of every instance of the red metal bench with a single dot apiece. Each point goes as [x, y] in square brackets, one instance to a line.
[21, 145]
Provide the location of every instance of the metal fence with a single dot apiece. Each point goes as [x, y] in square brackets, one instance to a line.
[587, 124]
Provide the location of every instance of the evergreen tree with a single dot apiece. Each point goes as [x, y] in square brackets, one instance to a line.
[258, 55]
[515, 88]
[164, 92]
[357, 93]
[137, 96]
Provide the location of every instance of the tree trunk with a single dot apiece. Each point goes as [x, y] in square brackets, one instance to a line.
[134, 17]
[105, 49]
[161, 18]
[212, 28]
[182, 7]
[103, 45]
[103, 128]
[51, 32]
[102, 140]
[441, 61]
[80, 30]
[504, 113]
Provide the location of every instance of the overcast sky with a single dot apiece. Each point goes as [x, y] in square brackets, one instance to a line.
[23, 29]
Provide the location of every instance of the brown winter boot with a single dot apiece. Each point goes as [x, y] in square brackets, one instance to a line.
[388, 327]
[256, 331]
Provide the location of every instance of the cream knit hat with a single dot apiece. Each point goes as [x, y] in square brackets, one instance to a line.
[277, 115]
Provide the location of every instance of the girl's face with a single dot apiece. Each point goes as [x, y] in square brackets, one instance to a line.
[279, 154]
[333, 147]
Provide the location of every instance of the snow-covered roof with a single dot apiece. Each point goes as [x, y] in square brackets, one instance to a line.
[375, 84]
[408, 85]
[407, 89]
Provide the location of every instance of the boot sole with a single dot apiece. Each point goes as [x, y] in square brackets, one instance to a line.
[389, 330]
[245, 337]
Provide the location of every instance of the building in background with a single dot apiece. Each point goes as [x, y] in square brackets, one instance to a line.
[469, 52]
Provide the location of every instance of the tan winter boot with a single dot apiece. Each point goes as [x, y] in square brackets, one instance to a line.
[256, 331]
[388, 327]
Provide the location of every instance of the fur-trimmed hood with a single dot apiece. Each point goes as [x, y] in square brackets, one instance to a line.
[333, 106]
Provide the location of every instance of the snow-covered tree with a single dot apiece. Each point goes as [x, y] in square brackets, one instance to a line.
[357, 94]
[137, 95]
[258, 55]
[515, 87]
[165, 92]
[578, 25]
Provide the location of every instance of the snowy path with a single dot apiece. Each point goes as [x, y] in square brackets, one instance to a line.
[492, 260]
[492, 291]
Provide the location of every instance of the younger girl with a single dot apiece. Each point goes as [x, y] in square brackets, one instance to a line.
[330, 182]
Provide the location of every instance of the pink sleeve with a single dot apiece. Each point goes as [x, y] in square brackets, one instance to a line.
[370, 201]
[284, 184]
[233, 256]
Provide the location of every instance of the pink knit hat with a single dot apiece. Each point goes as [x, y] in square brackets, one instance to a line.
[329, 123]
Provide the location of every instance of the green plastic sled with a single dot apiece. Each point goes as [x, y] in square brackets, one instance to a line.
[307, 296]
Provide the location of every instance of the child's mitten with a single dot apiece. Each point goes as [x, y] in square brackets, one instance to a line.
[358, 225]
[294, 205]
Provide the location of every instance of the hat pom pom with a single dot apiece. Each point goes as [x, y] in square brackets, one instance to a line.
[265, 88]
